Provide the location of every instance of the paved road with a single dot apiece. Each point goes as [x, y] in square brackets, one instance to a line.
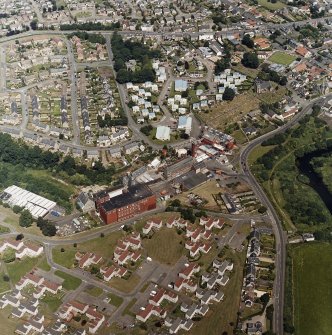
[280, 234]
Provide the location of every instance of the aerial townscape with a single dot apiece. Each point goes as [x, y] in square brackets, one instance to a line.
[165, 167]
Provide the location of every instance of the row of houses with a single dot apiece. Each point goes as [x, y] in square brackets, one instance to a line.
[22, 249]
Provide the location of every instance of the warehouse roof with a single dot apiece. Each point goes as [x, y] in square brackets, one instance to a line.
[37, 205]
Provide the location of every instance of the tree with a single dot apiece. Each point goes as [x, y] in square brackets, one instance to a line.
[33, 24]
[221, 65]
[265, 298]
[247, 41]
[250, 60]
[229, 94]
[25, 218]
[17, 209]
[19, 237]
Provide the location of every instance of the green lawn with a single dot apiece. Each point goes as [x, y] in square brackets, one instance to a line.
[52, 301]
[70, 282]
[8, 323]
[65, 258]
[258, 152]
[312, 278]
[43, 265]
[282, 58]
[271, 6]
[94, 291]
[20, 268]
[159, 248]
[115, 300]
[4, 285]
[125, 285]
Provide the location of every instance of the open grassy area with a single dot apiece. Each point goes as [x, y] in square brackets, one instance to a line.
[275, 96]
[52, 301]
[4, 285]
[282, 58]
[159, 248]
[65, 258]
[70, 282]
[19, 268]
[239, 136]
[115, 300]
[12, 219]
[252, 73]
[221, 315]
[220, 115]
[312, 289]
[205, 191]
[271, 6]
[125, 285]
[43, 265]
[94, 291]
[103, 246]
[258, 152]
[8, 325]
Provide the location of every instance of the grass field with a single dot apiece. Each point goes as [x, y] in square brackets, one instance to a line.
[18, 269]
[312, 291]
[258, 152]
[159, 249]
[43, 265]
[282, 58]
[8, 324]
[272, 97]
[221, 315]
[115, 300]
[53, 302]
[65, 258]
[94, 291]
[206, 191]
[125, 285]
[103, 246]
[70, 282]
[4, 285]
[220, 115]
[271, 6]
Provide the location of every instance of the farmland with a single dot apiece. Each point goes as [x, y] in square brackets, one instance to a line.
[312, 292]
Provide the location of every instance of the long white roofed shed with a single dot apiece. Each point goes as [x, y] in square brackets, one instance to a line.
[35, 204]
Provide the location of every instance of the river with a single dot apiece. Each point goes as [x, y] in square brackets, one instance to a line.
[316, 182]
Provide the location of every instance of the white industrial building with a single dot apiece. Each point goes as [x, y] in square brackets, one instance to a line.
[38, 206]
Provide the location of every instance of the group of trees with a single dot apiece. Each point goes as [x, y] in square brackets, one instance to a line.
[247, 41]
[301, 203]
[25, 219]
[108, 121]
[228, 94]
[88, 26]
[47, 228]
[128, 50]
[221, 65]
[92, 38]
[146, 130]
[267, 74]
[23, 156]
[250, 60]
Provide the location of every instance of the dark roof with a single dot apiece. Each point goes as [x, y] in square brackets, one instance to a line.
[134, 194]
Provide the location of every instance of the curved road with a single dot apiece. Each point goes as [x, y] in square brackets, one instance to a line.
[280, 234]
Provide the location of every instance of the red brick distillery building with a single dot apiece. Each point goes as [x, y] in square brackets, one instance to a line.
[135, 200]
